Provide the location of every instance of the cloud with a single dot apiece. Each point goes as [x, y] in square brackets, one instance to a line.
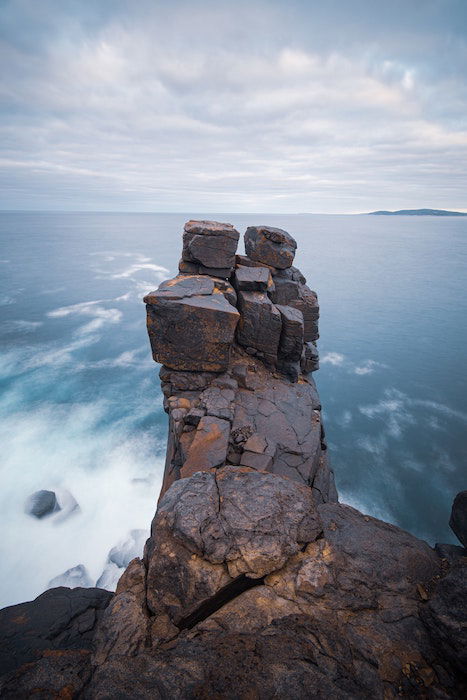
[257, 107]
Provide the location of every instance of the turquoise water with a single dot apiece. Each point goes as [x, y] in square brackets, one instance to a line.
[81, 409]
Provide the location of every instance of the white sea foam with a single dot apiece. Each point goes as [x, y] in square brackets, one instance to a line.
[72, 448]
[368, 367]
[21, 326]
[365, 505]
[136, 267]
[100, 315]
[332, 358]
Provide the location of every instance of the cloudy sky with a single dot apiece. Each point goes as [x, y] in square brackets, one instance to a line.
[233, 106]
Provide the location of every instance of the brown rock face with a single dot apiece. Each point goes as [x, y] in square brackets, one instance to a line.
[271, 246]
[209, 446]
[210, 244]
[223, 525]
[255, 583]
[260, 324]
[253, 279]
[191, 324]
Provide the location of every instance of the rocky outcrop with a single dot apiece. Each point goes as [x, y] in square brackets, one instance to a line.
[458, 520]
[55, 631]
[255, 582]
[41, 503]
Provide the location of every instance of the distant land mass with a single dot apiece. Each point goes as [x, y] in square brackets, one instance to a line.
[418, 212]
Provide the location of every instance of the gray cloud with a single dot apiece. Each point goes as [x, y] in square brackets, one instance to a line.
[265, 106]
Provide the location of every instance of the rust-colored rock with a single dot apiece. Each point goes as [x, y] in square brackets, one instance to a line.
[191, 325]
[209, 446]
[253, 279]
[272, 246]
[210, 244]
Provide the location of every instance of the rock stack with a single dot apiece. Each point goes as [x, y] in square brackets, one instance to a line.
[255, 582]
[236, 335]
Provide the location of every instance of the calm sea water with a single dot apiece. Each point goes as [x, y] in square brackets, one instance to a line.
[81, 408]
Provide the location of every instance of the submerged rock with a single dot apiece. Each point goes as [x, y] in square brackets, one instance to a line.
[75, 577]
[42, 503]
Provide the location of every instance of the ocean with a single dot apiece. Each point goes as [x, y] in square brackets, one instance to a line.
[81, 407]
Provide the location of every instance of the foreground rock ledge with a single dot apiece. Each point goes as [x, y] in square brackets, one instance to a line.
[255, 582]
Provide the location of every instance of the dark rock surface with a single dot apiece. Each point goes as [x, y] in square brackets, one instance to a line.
[269, 245]
[458, 520]
[41, 503]
[259, 327]
[194, 308]
[255, 583]
[210, 244]
[252, 279]
[60, 618]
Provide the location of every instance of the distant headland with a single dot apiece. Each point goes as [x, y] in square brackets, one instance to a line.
[418, 212]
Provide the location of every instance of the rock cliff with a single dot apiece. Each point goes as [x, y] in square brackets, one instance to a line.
[255, 582]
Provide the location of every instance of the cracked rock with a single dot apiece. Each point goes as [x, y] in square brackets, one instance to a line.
[272, 246]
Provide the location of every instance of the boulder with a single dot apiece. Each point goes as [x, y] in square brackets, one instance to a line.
[291, 340]
[215, 527]
[252, 279]
[285, 290]
[307, 303]
[245, 261]
[210, 244]
[310, 358]
[287, 285]
[269, 245]
[458, 520]
[75, 577]
[41, 503]
[189, 268]
[260, 324]
[58, 619]
[191, 325]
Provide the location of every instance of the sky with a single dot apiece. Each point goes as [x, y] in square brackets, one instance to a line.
[336, 106]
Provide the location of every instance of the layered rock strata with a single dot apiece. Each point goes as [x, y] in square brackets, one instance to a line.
[255, 582]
